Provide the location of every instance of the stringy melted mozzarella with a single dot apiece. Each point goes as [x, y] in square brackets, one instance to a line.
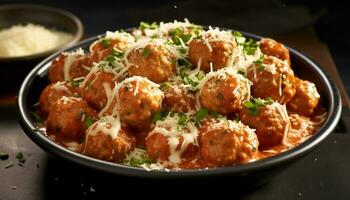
[69, 60]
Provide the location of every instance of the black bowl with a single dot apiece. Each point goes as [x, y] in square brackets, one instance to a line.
[53, 18]
[258, 171]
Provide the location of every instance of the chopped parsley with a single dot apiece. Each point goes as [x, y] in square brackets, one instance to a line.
[146, 25]
[105, 43]
[146, 52]
[36, 116]
[182, 119]
[249, 47]
[4, 156]
[259, 62]
[137, 158]
[88, 121]
[160, 116]
[20, 157]
[241, 72]
[254, 104]
[201, 114]
[75, 83]
[177, 35]
[191, 79]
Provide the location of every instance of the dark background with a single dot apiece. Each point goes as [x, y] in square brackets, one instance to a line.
[324, 174]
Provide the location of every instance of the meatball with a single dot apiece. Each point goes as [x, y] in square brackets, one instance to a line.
[211, 50]
[306, 98]
[113, 41]
[106, 140]
[139, 99]
[224, 91]
[167, 143]
[51, 94]
[152, 61]
[68, 66]
[270, 120]
[95, 85]
[273, 48]
[69, 118]
[226, 142]
[178, 99]
[273, 78]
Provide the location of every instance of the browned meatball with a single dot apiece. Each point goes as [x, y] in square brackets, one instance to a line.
[68, 66]
[270, 121]
[178, 99]
[167, 143]
[153, 61]
[224, 91]
[51, 94]
[94, 87]
[107, 143]
[211, 49]
[273, 48]
[306, 98]
[227, 142]
[69, 118]
[274, 78]
[139, 99]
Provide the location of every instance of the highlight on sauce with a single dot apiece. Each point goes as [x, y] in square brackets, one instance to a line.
[177, 96]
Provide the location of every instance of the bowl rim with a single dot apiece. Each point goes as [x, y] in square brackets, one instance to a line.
[44, 142]
[76, 36]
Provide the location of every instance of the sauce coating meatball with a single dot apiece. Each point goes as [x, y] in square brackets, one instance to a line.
[68, 66]
[306, 98]
[139, 99]
[51, 94]
[273, 78]
[152, 61]
[107, 142]
[69, 118]
[270, 122]
[211, 49]
[167, 143]
[273, 48]
[224, 91]
[178, 99]
[227, 142]
[94, 87]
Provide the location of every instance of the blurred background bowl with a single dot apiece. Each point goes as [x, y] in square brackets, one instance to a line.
[14, 69]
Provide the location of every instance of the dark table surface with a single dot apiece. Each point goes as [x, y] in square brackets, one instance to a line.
[322, 174]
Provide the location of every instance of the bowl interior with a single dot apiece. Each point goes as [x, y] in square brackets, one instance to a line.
[303, 67]
[49, 17]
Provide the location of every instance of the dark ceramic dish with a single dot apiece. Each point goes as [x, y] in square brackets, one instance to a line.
[251, 173]
[49, 17]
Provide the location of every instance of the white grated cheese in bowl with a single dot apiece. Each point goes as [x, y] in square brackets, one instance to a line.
[23, 40]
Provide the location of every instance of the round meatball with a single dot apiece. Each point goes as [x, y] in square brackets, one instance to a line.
[178, 99]
[51, 94]
[211, 50]
[306, 98]
[270, 122]
[94, 87]
[104, 47]
[153, 61]
[69, 118]
[273, 78]
[106, 143]
[139, 99]
[227, 142]
[68, 66]
[167, 143]
[272, 48]
[224, 92]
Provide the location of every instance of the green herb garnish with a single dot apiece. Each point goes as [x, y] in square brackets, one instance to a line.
[201, 114]
[20, 157]
[253, 105]
[4, 156]
[36, 116]
[182, 119]
[88, 121]
[250, 47]
[259, 62]
[146, 25]
[105, 43]
[160, 116]
[146, 52]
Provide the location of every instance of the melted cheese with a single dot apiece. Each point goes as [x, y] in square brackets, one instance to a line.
[69, 60]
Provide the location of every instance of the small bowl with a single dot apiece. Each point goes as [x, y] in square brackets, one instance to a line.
[49, 17]
[246, 174]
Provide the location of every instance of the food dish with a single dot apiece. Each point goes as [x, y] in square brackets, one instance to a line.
[140, 82]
